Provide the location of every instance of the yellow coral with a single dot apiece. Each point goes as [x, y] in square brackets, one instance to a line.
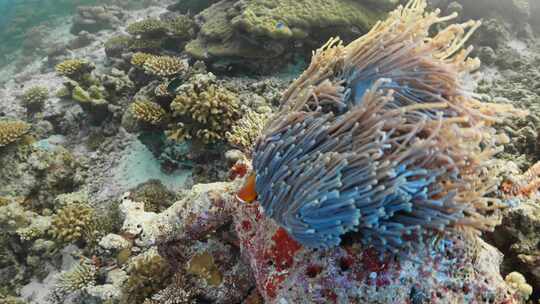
[11, 131]
[138, 59]
[164, 66]
[73, 67]
[148, 111]
[74, 222]
[212, 112]
[517, 281]
[244, 134]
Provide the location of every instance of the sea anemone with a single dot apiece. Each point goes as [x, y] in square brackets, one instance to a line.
[381, 139]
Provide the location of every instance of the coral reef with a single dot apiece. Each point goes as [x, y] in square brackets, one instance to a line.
[517, 281]
[208, 110]
[11, 131]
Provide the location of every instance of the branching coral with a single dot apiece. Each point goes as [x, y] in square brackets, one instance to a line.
[381, 138]
[11, 131]
[147, 28]
[34, 98]
[209, 109]
[164, 66]
[245, 132]
[148, 274]
[182, 27]
[148, 112]
[138, 59]
[78, 278]
[74, 68]
[74, 222]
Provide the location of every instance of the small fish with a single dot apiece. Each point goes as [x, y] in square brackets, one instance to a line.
[174, 84]
[247, 193]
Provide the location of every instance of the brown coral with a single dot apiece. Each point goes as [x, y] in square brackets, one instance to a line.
[138, 59]
[74, 222]
[244, 133]
[11, 131]
[73, 67]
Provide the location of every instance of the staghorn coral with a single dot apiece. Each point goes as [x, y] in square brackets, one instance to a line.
[148, 112]
[11, 131]
[381, 138]
[34, 98]
[147, 28]
[74, 68]
[73, 223]
[245, 132]
[208, 110]
[148, 274]
[164, 66]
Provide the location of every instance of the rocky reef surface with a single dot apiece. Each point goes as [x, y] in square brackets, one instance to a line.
[125, 140]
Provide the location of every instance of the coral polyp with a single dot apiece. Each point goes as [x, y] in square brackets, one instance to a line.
[380, 138]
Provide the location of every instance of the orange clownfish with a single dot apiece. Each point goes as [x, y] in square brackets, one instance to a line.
[247, 193]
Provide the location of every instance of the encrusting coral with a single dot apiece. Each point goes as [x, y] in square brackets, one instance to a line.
[208, 109]
[74, 222]
[381, 138]
[12, 130]
[34, 98]
[148, 112]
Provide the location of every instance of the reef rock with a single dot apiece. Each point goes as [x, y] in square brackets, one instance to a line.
[95, 18]
[449, 270]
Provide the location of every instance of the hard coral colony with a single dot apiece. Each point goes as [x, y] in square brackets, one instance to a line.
[381, 138]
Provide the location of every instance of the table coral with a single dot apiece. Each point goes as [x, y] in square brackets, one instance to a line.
[11, 131]
[164, 66]
[116, 45]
